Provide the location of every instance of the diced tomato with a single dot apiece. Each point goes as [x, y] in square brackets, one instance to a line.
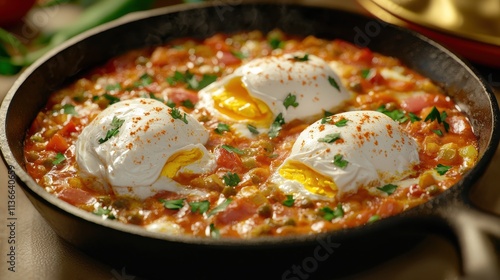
[364, 56]
[376, 79]
[76, 196]
[237, 210]
[57, 143]
[401, 85]
[68, 128]
[229, 160]
[416, 103]
[229, 59]
[415, 191]
[178, 95]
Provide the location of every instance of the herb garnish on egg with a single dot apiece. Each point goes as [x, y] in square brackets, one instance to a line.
[176, 114]
[116, 123]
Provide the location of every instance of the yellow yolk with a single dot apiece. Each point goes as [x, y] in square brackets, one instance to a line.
[310, 179]
[235, 102]
[179, 160]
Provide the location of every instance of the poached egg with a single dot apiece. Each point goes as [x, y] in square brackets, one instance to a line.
[345, 152]
[138, 147]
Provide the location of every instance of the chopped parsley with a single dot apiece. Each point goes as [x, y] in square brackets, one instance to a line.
[187, 103]
[233, 149]
[171, 103]
[176, 114]
[341, 123]
[275, 43]
[388, 189]
[289, 201]
[173, 204]
[290, 100]
[113, 87]
[276, 126]
[69, 109]
[330, 214]
[339, 161]
[305, 57]
[221, 128]
[214, 232]
[144, 80]
[116, 123]
[333, 83]
[190, 80]
[231, 179]
[442, 169]
[58, 159]
[435, 115]
[199, 206]
[152, 96]
[252, 129]
[220, 207]
[438, 132]
[414, 118]
[104, 212]
[111, 98]
[365, 73]
[240, 55]
[396, 115]
[330, 138]
[373, 219]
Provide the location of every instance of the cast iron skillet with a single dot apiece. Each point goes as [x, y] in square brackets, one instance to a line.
[329, 255]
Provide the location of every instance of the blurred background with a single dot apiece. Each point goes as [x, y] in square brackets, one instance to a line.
[29, 28]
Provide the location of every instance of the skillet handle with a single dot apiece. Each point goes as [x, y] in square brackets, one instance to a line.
[474, 228]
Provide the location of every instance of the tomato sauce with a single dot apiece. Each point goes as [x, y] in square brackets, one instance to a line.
[253, 207]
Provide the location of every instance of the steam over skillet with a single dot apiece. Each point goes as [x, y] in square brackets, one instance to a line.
[327, 255]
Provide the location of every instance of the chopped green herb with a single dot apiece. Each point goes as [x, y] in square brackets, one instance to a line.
[220, 207]
[396, 115]
[275, 43]
[438, 132]
[240, 55]
[69, 109]
[339, 161]
[112, 99]
[289, 201]
[252, 129]
[58, 159]
[333, 82]
[414, 118]
[205, 81]
[305, 57]
[113, 87]
[199, 206]
[171, 103]
[176, 114]
[388, 189]
[95, 98]
[341, 123]
[187, 103]
[214, 232]
[116, 123]
[290, 100]
[330, 214]
[326, 120]
[365, 73]
[330, 138]
[104, 212]
[233, 149]
[442, 169]
[276, 126]
[221, 128]
[144, 80]
[373, 219]
[434, 115]
[174, 204]
[231, 179]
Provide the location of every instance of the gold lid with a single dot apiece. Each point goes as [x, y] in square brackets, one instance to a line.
[477, 20]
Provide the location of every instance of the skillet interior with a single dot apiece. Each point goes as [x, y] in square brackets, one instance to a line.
[148, 253]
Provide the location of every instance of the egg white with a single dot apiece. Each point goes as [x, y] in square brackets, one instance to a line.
[134, 161]
[375, 147]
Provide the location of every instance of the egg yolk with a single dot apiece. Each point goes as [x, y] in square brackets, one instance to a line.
[235, 102]
[310, 179]
[179, 160]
